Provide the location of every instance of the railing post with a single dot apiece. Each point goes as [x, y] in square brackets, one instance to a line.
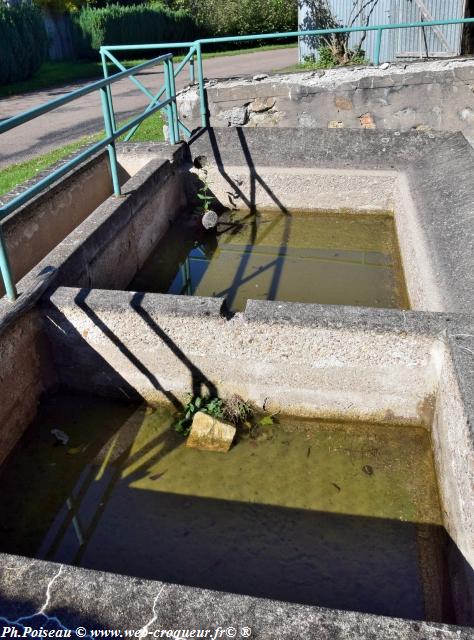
[105, 71]
[109, 132]
[169, 108]
[6, 271]
[192, 75]
[378, 45]
[174, 105]
[202, 96]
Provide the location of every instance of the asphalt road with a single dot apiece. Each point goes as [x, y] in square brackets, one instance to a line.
[84, 116]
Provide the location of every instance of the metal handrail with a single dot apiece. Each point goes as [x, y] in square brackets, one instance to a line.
[111, 131]
[111, 135]
[198, 44]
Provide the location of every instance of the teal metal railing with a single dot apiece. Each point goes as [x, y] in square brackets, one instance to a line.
[112, 132]
[196, 47]
[175, 126]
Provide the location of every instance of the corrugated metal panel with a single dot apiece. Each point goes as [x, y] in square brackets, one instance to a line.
[442, 41]
[379, 13]
[395, 43]
[376, 13]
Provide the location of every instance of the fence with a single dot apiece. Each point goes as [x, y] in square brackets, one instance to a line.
[112, 132]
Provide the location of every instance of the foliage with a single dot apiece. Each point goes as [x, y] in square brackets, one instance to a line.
[23, 42]
[241, 17]
[327, 59]
[234, 410]
[212, 406]
[335, 47]
[58, 7]
[136, 24]
[204, 195]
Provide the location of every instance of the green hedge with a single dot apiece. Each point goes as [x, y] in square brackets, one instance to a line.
[136, 24]
[242, 17]
[23, 42]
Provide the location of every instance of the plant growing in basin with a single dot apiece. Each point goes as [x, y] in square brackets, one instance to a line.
[209, 217]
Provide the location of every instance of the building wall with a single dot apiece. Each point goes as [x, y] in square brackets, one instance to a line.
[396, 43]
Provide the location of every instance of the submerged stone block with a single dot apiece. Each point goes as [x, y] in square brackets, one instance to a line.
[210, 434]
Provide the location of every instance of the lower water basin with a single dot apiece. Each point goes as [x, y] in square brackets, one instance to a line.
[332, 514]
[320, 257]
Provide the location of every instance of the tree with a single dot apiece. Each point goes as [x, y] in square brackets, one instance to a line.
[320, 16]
[58, 7]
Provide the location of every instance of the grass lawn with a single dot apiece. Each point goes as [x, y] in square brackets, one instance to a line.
[150, 129]
[53, 74]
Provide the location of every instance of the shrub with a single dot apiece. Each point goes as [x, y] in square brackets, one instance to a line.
[329, 57]
[135, 24]
[243, 17]
[23, 42]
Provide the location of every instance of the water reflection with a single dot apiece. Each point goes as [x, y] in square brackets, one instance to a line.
[328, 258]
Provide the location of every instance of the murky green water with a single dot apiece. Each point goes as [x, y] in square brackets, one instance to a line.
[337, 515]
[326, 258]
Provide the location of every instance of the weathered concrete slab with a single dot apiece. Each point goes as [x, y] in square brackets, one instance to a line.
[93, 600]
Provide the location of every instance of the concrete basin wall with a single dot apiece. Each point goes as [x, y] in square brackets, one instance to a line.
[34, 229]
[106, 249]
[453, 444]
[26, 371]
[161, 345]
[330, 362]
[300, 189]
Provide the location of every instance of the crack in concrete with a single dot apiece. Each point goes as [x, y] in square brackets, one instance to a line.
[19, 622]
[143, 632]
[48, 591]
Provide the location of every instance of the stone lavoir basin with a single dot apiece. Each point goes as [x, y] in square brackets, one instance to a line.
[336, 294]
[316, 512]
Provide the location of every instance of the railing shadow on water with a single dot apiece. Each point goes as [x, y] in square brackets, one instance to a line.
[112, 382]
[250, 201]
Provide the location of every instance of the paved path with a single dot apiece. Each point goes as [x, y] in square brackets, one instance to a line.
[84, 116]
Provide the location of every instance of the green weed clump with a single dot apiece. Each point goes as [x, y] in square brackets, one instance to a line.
[212, 406]
[234, 410]
[328, 58]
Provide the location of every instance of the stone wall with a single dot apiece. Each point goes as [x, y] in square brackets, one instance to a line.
[420, 96]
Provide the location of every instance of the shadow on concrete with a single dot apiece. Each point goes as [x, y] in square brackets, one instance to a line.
[81, 301]
[198, 379]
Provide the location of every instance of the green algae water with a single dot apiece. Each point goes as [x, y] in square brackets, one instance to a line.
[320, 257]
[338, 515]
